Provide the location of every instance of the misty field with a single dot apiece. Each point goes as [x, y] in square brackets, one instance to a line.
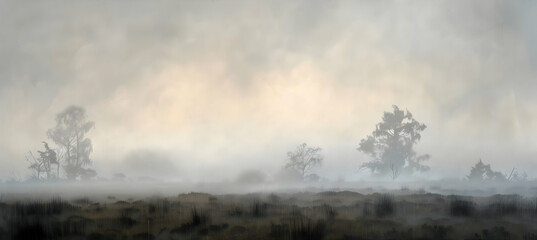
[307, 215]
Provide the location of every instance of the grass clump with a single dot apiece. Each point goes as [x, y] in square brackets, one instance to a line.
[329, 212]
[461, 208]
[195, 220]
[279, 231]
[54, 206]
[259, 209]
[503, 207]
[437, 232]
[235, 211]
[306, 229]
[29, 230]
[198, 218]
[384, 206]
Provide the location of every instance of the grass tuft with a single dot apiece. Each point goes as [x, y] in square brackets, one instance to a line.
[384, 206]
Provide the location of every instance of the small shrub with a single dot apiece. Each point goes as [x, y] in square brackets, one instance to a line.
[259, 209]
[104, 236]
[503, 207]
[126, 221]
[129, 211]
[184, 228]
[82, 201]
[461, 208]
[495, 233]
[437, 232]
[204, 231]
[384, 206]
[329, 212]
[159, 205]
[530, 206]
[95, 236]
[143, 236]
[366, 208]
[393, 234]
[235, 230]
[41, 208]
[274, 199]
[529, 236]
[296, 212]
[215, 228]
[305, 229]
[29, 231]
[152, 208]
[350, 237]
[74, 225]
[198, 218]
[279, 231]
[235, 212]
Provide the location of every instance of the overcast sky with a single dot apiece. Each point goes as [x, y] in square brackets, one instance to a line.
[208, 89]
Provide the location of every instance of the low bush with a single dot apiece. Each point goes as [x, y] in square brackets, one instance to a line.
[259, 209]
[503, 207]
[235, 211]
[495, 233]
[198, 218]
[41, 208]
[279, 231]
[329, 212]
[461, 208]
[437, 232]
[384, 206]
[29, 231]
[306, 229]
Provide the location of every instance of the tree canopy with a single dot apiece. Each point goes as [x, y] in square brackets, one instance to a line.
[391, 145]
[304, 158]
[70, 135]
[481, 171]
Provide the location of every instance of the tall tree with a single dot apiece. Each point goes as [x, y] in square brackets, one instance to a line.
[304, 158]
[391, 145]
[70, 135]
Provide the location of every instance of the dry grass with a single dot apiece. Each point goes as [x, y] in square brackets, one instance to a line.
[329, 215]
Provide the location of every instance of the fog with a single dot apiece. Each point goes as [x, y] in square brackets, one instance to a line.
[203, 94]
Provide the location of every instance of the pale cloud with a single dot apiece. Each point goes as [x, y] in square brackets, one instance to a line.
[235, 84]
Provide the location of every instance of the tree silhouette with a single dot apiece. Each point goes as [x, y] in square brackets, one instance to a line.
[43, 163]
[391, 145]
[69, 134]
[303, 159]
[481, 171]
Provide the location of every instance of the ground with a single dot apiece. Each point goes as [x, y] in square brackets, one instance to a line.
[301, 215]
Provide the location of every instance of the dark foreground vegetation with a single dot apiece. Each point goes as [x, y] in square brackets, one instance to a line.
[326, 215]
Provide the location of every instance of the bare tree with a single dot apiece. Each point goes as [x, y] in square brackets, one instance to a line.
[69, 134]
[35, 165]
[515, 176]
[391, 145]
[304, 158]
[44, 163]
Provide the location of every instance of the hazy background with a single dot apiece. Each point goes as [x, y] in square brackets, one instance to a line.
[205, 90]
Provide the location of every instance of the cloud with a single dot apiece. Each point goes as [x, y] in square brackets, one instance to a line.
[149, 163]
[233, 83]
[251, 177]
